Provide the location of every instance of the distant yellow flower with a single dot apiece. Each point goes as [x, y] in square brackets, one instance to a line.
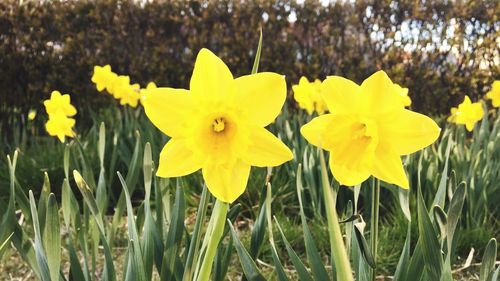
[32, 114]
[119, 86]
[58, 102]
[308, 96]
[60, 126]
[403, 94]
[150, 86]
[218, 125]
[130, 95]
[103, 77]
[467, 113]
[368, 130]
[494, 94]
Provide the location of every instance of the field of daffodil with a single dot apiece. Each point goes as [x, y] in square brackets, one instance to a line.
[236, 178]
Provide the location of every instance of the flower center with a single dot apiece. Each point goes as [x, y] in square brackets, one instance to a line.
[219, 124]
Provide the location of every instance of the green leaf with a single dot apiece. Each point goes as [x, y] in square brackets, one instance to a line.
[136, 253]
[255, 67]
[441, 191]
[301, 269]
[404, 259]
[2, 246]
[313, 256]
[131, 181]
[52, 237]
[109, 270]
[488, 263]
[39, 251]
[250, 269]
[362, 243]
[174, 235]
[431, 249]
[192, 256]
[258, 231]
[441, 219]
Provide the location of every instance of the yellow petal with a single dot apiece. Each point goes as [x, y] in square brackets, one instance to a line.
[408, 131]
[176, 160]
[469, 125]
[378, 95]
[262, 95]
[265, 150]
[347, 175]
[388, 167]
[211, 77]
[168, 109]
[314, 131]
[340, 94]
[226, 182]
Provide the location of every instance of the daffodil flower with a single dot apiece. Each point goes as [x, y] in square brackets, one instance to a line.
[103, 77]
[60, 126]
[119, 86]
[150, 86]
[467, 113]
[218, 125]
[494, 94]
[403, 95]
[32, 114]
[307, 95]
[59, 103]
[368, 130]
[130, 95]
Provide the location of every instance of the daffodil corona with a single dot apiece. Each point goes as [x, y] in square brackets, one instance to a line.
[368, 129]
[467, 113]
[218, 125]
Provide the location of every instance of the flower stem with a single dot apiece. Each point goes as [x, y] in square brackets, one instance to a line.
[374, 224]
[337, 245]
[219, 215]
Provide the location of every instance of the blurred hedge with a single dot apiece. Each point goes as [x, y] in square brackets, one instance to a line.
[53, 45]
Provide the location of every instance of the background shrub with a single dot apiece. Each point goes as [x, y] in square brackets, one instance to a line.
[441, 50]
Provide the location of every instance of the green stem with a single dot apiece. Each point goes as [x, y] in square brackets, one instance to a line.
[337, 245]
[219, 213]
[374, 224]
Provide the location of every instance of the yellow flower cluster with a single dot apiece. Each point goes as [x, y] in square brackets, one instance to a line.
[308, 96]
[118, 85]
[467, 113]
[60, 110]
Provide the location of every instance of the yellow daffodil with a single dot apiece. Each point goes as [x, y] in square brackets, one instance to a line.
[368, 130]
[403, 95]
[58, 102]
[103, 77]
[218, 125]
[130, 95]
[32, 114]
[467, 113]
[119, 86]
[60, 126]
[307, 95]
[494, 94]
[150, 86]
